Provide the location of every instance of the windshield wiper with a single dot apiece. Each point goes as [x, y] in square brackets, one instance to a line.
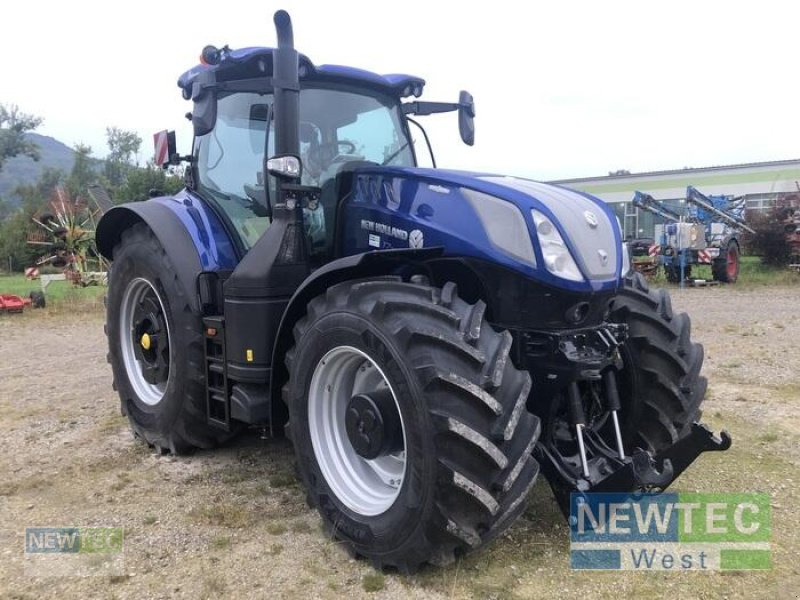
[394, 154]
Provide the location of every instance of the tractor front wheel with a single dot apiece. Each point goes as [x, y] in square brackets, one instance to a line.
[409, 421]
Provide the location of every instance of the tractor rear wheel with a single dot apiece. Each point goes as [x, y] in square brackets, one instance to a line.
[726, 267]
[409, 421]
[156, 348]
[660, 385]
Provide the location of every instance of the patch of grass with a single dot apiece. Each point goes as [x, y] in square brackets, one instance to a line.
[276, 528]
[221, 542]
[275, 549]
[111, 423]
[150, 520]
[61, 296]
[789, 391]
[373, 582]
[281, 480]
[213, 587]
[731, 365]
[769, 437]
[222, 514]
[301, 527]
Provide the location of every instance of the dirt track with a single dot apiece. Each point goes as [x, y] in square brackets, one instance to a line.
[234, 523]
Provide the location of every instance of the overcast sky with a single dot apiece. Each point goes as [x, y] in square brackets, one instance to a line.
[562, 89]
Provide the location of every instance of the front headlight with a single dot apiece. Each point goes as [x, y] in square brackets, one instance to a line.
[504, 225]
[557, 257]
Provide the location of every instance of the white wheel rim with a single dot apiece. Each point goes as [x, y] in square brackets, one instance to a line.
[148, 393]
[367, 487]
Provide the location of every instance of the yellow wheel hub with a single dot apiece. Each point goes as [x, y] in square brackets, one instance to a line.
[145, 341]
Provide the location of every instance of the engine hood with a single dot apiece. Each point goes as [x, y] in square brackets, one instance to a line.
[587, 224]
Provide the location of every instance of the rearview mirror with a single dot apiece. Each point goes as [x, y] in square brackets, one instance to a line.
[466, 117]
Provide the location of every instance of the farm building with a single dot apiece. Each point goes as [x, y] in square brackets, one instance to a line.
[760, 183]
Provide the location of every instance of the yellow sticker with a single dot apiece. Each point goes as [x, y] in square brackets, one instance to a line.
[249, 355]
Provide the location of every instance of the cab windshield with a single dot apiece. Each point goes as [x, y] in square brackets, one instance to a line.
[337, 126]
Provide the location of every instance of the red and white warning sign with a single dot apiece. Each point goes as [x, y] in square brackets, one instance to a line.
[654, 250]
[161, 142]
[32, 273]
[703, 257]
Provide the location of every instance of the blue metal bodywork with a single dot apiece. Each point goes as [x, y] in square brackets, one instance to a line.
[432, 202]
[211, 240]
[429, 201]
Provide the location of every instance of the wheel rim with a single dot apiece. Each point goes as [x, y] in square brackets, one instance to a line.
[145, 341]
[367, 487]
[732, 263]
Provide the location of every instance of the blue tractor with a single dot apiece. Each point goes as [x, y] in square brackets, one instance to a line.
[427, 339]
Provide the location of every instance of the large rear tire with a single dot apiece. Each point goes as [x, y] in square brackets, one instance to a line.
[156, 348]
[459, 468]
[661, 388]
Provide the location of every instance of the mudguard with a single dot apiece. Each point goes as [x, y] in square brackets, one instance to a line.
[368, 264]
[169, 230]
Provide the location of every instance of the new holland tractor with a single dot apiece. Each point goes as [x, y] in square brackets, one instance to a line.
[427, 339]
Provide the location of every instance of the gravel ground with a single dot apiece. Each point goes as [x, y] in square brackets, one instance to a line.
[234, 523]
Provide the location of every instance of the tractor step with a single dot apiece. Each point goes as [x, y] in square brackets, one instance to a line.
[218, 393]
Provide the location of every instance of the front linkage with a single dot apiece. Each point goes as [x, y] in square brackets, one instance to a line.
[582, 449]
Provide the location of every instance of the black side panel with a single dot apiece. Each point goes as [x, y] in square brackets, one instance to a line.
[170, 232]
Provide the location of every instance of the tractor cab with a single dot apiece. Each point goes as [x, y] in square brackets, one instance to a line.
[347, 117]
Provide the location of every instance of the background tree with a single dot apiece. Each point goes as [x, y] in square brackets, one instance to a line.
[123, 146]
[771, 240]
[13, 126]
[83, 173]
[141, 181]
[17, 225]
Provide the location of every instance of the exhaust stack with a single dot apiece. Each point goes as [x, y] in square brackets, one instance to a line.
[287, 88]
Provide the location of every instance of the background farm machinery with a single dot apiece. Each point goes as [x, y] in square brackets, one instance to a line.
[68, 235]
[707, 232]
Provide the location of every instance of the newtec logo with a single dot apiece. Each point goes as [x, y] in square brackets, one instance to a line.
[73, 540]
[670, 532]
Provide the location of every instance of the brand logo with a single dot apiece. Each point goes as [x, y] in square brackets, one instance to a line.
[591, 218]
[416, 239]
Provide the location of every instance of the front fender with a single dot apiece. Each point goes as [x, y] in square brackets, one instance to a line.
[168, 229]
[358, 266]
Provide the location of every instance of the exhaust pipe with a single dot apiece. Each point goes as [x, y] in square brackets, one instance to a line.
[285, 66]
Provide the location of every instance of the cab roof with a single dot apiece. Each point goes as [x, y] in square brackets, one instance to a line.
[249, 62]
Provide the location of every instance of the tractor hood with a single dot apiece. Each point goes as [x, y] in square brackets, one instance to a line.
[587, 226]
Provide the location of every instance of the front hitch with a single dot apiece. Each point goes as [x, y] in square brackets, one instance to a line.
[641, 472]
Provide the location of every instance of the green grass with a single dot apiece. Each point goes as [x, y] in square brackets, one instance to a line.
[59, 295]
[751, 274]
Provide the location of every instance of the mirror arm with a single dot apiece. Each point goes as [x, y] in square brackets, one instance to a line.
[429, 108]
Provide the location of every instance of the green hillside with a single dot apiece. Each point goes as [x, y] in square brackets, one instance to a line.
[23, 170]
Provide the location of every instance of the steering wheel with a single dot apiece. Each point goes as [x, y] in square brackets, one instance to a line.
[333, 150]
